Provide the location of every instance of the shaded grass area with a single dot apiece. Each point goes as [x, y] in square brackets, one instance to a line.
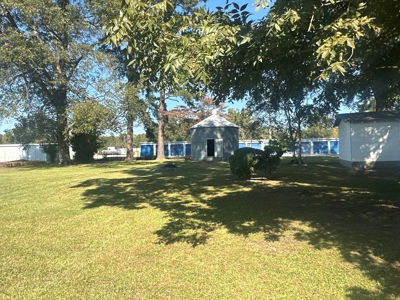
[129, 231]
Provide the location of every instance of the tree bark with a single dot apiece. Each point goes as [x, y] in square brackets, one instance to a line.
[161, 123]
[299, 137]
[292, 134]
[300, 149]
[129, 137]
[62, 141]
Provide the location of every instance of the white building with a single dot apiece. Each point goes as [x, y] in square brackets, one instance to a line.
[369, 140]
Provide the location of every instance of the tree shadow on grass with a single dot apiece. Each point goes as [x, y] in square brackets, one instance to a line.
[358, 214]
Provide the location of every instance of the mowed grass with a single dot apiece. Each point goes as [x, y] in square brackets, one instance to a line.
[124, 231]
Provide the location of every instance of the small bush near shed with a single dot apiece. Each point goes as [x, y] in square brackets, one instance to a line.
[246, 161]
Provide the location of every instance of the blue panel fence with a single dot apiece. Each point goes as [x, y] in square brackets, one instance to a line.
[181, 149]
[175, 149]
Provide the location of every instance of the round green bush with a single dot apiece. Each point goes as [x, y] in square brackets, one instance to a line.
[245, 161]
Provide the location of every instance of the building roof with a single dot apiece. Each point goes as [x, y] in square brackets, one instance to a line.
[215, 120]
[367, 117]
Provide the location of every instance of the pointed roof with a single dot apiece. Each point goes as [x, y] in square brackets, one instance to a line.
[215, 120]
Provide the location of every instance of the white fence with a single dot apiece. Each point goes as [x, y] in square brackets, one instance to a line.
[11, 152]
[34, 152]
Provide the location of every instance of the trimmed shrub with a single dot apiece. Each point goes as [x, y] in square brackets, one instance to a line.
[246, 161]
[243, 162]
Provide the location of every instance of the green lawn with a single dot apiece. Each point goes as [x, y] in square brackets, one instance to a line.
[120, 231]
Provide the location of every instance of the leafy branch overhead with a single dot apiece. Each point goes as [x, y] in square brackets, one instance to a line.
[170, 49]
[327, 29]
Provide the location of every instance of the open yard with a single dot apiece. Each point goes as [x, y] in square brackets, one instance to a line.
[122, 231]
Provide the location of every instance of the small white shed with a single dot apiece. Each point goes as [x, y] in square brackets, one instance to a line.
[214, 138]
[369, 140]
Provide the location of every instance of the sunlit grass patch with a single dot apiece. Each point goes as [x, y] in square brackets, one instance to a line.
[122, 231]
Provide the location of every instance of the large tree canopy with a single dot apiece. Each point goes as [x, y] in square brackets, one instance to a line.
[44, 48]
[351, 47]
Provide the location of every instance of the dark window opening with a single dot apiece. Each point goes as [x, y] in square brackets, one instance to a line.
[210, 147]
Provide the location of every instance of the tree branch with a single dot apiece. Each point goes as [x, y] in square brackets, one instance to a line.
[309, 26]
[12, 21]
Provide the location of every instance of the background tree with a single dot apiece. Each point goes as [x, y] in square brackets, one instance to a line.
[129, 109]
[321, 128]
[46, 55]
[8, 137]
[89, 121]
[181, 118]
[120, 140]
[36, 127]
[251, 126]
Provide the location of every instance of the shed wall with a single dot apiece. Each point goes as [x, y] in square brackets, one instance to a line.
[345, 142]
[375, 141]
[199, 136]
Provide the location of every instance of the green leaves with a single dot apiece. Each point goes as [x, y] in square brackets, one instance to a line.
[171, 50]
[90, 118]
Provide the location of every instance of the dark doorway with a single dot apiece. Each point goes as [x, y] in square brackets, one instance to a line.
[210, 147]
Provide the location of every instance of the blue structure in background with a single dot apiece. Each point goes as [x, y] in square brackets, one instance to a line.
[175, 149]
[188, 149]
[165, 149]
[255, 145]
[181, 149]
[321, 147]
[147, 150]
[334, 145]
[328, 146]
[305, 147]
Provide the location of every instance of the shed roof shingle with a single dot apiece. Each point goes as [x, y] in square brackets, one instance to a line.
[367, 117]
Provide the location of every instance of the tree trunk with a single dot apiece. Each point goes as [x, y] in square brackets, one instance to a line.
[269, 119]
[300, 149]
[161, 110]
[380, 102]
[299, 138]
[129, 137]
[63, 143]
[292, 135]
[293, 142]
[381, 91]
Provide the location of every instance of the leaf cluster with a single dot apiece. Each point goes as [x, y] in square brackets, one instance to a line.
[170, 49]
